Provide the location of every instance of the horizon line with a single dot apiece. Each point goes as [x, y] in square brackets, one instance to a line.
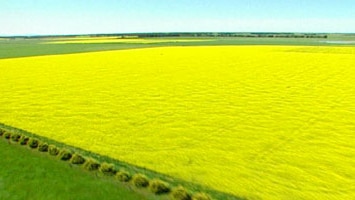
[170, 32]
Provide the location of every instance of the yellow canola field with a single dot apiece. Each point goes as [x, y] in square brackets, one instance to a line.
[122, 40]
[262, 122]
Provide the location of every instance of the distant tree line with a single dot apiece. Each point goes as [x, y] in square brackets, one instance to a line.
[233, 34]
[190, 34]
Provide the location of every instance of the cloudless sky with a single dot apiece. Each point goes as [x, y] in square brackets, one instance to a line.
[31, 17]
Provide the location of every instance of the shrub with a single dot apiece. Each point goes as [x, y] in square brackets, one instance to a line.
[140, 180]
[77, 159]
[158, 187]
[15, 137]
[107, 169]
[43, 147]
[24, 140]
[91, 164]
[180, 193]
[65, 154]
[123, 176]
[33, 143]
[2, 131]
[53, 150]
[7, 135]
[200, 196]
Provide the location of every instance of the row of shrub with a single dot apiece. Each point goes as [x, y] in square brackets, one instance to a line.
[139, 180]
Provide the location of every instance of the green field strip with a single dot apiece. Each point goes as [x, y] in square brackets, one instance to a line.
[31, 175]
[37, 47]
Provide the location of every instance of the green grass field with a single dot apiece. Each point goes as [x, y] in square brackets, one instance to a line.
[35, 47]
[28, 174]
[261, 122]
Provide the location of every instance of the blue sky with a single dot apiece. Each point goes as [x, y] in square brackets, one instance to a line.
[28, 17]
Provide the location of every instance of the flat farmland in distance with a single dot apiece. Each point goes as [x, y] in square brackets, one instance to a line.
[262, 122]
[124, 40]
